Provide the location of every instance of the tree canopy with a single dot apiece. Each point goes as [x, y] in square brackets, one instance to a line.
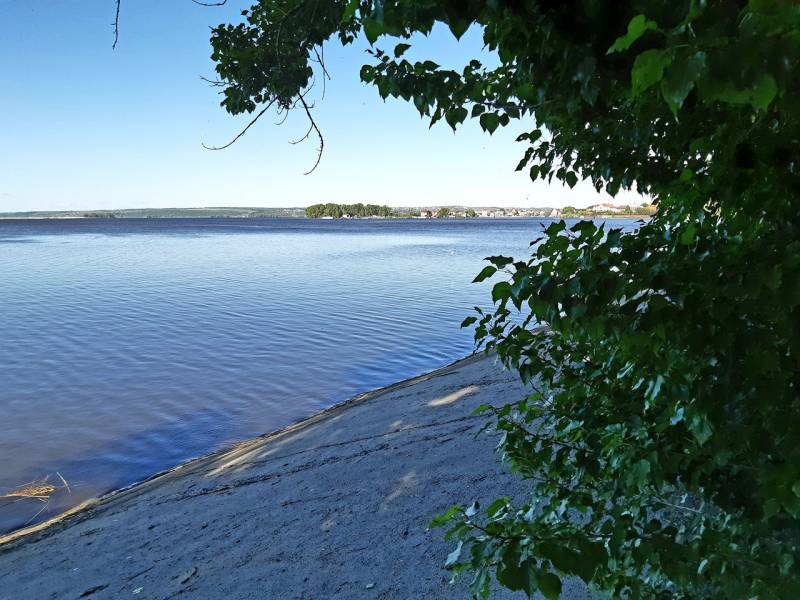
[317, 211]
[661, 441]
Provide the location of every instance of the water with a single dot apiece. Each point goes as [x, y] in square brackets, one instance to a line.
[129, 346]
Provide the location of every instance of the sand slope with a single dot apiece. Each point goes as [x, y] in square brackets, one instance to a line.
[334, 507]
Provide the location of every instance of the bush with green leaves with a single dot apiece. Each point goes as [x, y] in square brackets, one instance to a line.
[661, 442]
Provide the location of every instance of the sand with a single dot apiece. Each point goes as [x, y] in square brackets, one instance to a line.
[333, 507]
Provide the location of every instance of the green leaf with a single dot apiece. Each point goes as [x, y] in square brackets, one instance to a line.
[688, 234]
[516, 576]
[501, 291]
[496, 506]
[759, 94]
[763, 92]
[527, 92]
[350, 10]
[500, 261]
[373, 29]
[566, 560]
[638, 26]
[648, 69]
[639, 473]
[487, 272]
[550, 586]
[489, 122]
[455, 116]
[458, 27]
[680, 79]
[400, 49]
[571, 179]
[771, 507]
[468, 321]
[441, 520]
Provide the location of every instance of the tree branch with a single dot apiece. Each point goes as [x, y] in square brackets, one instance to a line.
[319, 135]
[116, 27]
[243, 131]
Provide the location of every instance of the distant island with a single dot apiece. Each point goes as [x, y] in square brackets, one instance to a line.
[347, 211]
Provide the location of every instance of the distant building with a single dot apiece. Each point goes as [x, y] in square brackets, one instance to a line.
[426, 214]
[606, 207]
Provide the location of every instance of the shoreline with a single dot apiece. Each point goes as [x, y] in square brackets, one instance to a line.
[196, 463]
[333, 506]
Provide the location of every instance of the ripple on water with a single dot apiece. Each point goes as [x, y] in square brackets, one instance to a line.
[131, 346]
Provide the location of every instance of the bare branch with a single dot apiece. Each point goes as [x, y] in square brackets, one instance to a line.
[304, 138]
[220, 3]
[116, 27]
[243, 131]
[285, 116]
[319, 135]
[321, 60]
[214, 82]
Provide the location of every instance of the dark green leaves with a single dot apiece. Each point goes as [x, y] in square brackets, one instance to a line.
[660, 448]
[501, 291]
[485, 274]
[373, 29]
[489, 122]
[455, 116]
[515, 575]
[468, 321]
[648, 69]
[759, 94]
[550, 586]
[400, 49]
[571, 178]
[350, 11]
[638, 26]
[500, 261]
[680, 79]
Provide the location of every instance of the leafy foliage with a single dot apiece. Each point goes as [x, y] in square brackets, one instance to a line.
[661, 442]
[317, 211]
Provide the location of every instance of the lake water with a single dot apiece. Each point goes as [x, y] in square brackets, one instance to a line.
[129, 346]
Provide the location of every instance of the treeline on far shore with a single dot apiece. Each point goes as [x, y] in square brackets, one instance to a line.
[338, 211]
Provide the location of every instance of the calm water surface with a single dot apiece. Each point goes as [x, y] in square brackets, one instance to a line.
[129, 346]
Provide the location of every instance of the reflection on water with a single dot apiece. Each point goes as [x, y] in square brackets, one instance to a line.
[129, 346]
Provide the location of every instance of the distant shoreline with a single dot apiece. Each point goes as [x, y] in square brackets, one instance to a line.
[337, 212]
[80, 217]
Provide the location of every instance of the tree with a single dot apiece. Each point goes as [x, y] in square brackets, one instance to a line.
[317, 211]
[443, 213]
[661, 442]
[470, 213]
[569, 211]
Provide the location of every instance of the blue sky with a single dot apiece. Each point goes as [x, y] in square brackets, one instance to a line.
[87, 127]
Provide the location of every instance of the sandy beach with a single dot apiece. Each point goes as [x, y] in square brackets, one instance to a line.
[335, 506]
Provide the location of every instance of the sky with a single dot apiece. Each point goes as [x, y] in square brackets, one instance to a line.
[88, 127]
